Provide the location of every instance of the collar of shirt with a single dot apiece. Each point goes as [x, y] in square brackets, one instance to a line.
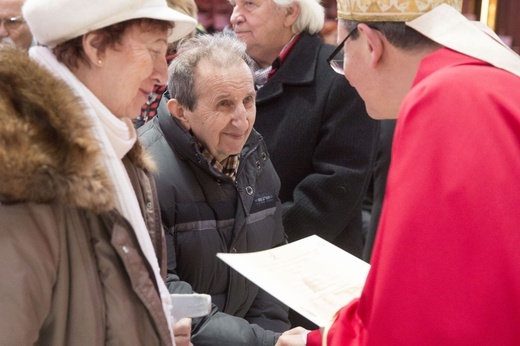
[228, 167]
[262, 75]
[283, 54]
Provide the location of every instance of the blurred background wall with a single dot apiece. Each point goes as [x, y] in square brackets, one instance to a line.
[503, 16]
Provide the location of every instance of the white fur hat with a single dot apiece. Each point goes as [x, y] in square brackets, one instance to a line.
[55, 21]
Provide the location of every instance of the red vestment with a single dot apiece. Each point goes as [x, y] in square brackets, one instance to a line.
[446, 263]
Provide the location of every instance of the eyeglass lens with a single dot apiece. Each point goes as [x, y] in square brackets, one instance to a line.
[11, 23]
[336, 58]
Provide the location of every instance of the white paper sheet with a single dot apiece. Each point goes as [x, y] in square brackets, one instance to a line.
[312, 276]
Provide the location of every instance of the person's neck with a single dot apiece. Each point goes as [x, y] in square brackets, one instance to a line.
[401, 71]
[265, 59]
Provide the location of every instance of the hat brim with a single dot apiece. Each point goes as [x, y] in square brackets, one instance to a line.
[182, 24]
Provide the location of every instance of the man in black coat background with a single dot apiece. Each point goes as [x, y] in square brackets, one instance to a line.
[321, 140]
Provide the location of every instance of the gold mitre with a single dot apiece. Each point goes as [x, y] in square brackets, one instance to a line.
[389, 10]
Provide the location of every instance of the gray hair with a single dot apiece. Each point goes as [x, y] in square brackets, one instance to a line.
[311, 18]
[220, 49]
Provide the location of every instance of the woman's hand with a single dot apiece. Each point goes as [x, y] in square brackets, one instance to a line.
[293, 337]
[182, 332]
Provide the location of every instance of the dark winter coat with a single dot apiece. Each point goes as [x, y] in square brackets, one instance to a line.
[205, 212]
[322, 144]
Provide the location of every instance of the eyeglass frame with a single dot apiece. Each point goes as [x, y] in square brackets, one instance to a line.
[331, 61]
[12, 23]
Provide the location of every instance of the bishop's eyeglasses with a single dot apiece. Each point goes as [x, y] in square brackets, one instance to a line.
[335, 60]
[12, 23]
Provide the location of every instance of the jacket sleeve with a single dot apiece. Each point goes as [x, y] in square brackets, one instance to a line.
[29, 252]
[268, 312]
[342, 164]
[346, 329]
[217, 328]
[220, 329]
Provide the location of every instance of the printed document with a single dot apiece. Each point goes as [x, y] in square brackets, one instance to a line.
[311, 276]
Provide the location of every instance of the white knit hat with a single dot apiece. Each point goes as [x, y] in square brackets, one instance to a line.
[55, 21]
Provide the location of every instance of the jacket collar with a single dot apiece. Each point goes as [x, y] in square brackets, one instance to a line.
[443, 58]
[304, 53]
[48, 153]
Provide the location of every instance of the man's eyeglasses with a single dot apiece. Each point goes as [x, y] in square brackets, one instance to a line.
[12, 23]
[337, 62]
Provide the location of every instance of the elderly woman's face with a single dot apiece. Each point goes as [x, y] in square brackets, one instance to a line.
[127, 73]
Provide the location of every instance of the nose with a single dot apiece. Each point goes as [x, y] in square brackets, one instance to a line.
[160, 71]
[236, 16]
[240, 118]
[3, 30]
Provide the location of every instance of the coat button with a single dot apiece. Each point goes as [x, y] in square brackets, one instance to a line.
[249, 190]
[258, 165]
[233, 250]
[264, 156]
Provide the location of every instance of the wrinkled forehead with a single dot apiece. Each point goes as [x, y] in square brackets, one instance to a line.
[212, 78]
[10, 7]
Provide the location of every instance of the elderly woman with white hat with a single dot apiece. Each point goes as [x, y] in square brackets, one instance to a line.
[81, 250]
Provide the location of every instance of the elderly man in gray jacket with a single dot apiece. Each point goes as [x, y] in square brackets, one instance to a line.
[218, 189]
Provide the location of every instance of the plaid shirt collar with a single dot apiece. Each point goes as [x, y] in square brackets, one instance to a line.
[228, 167]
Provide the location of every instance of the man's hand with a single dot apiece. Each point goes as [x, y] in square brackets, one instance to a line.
[293, 337]
[182, 332]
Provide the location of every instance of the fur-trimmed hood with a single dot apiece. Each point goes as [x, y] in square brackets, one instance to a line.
[47, 151]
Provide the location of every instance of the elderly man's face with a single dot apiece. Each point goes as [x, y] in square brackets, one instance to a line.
[225, 110]
[262, 26]
[19, 33]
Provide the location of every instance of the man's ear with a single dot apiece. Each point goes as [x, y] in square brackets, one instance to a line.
[177, 111]
[292, 13]
[90, 46]
[375, 43]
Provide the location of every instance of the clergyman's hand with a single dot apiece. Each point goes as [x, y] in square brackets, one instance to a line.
[293, 337]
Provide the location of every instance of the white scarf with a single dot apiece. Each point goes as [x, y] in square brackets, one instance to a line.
[260, 74]
[116, 138]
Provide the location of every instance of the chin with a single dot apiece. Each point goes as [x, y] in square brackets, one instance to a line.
[374, 113]
[245, 37]
[381, 116]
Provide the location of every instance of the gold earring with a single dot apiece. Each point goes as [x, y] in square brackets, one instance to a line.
[99, 62]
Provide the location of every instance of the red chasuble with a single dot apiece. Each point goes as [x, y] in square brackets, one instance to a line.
[446, 263]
